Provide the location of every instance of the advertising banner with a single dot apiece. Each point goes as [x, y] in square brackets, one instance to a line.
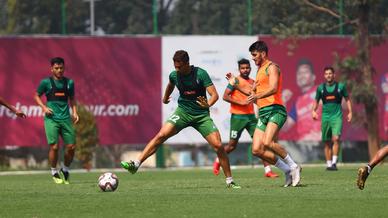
[117, 78]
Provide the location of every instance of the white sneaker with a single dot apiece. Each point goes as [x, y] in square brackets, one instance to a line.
[295, 174]
[288, 179]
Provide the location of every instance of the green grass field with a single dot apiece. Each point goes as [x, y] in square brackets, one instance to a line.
[197, 193]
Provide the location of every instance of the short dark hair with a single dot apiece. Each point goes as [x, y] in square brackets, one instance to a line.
[57, 60]
[260, 46]
[243, 61]
[305, 61]
[182, 56]
[329, 68]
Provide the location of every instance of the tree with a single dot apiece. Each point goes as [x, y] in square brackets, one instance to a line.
[86, 136]
[358, 70]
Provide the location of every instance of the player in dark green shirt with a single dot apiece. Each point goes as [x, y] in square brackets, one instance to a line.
[331, 94]
[59, 92]
[193, 110]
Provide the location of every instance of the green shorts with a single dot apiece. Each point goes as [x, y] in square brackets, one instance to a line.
[202, 122]
[64, 128]
[331, 128]
[274, 113]
[239, 122]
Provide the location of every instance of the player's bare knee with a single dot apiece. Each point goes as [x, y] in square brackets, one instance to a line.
[259, 152]
[71, 147]
[54, 147]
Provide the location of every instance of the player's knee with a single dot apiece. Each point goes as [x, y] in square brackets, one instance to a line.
[54, 147]
[258, 151]
[71, 147]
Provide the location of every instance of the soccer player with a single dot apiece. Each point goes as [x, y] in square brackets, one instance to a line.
[331, 94]
[364, 172]
[193, 110]
[59, 92]
[17, 112]
[272, 113]
[242, 115]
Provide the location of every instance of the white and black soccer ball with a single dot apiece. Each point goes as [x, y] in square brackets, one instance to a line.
[108, 182]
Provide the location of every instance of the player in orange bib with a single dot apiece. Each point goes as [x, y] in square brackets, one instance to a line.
[242, 115]
[272, 113]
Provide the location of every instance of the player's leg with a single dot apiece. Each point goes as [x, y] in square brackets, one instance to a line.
[52, 133]
[68, 135]
[232, 144]
[237, 125]
[364, 172]
[214, 139]
[251, 127]
[176, 122]
[164, 133]
[272, 130]
[206, 127]
[328, 154]
[336, 127]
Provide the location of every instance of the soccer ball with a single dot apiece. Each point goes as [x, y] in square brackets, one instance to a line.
[108, 182]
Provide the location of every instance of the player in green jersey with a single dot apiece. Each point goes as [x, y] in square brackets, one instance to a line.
[59, 92]
[16, 111]
[331, 94]
[193, 110]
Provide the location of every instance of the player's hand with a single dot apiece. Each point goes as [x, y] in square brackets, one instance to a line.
[48, 111]
[202, 101]
[233, 81]
[350, 116]
[252, 98]
[75, 118]
[315, 115]
[166, 101]
[20, 114]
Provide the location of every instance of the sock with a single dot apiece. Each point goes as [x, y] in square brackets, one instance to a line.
[283, 166]
[328, 163]
[229, 180]
[54, 171]
[267, 169]
[65, 168]
[369, 168]
[137, 163]
[335, 158]
[290, 162]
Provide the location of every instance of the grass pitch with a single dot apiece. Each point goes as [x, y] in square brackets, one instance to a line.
[197, 193]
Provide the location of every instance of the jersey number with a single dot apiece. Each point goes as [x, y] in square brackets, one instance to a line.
[233, 134]
[174, 118]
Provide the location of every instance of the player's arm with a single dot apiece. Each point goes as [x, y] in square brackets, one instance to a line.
[273, 73]
[39, 101]
[73, 105]
[167, 92]
[11, 108]
[228, 98]
[314, 110]
[201, 100]
[233, 81]
[73, 102]
[350, 111]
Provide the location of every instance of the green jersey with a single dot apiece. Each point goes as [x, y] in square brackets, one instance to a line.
[331, 96]
[60, 108]
[201, 79]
